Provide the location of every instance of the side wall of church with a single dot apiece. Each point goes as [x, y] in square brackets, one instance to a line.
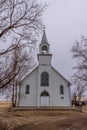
[31, 98]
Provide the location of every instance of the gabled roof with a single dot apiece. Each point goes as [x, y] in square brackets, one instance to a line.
[44, 38]
[31, 71]
[61, 76]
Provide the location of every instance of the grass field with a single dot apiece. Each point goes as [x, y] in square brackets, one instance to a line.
[5, 103]
[42, 120]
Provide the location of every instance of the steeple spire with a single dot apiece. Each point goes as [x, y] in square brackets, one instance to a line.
[44, 46]
[44, 38]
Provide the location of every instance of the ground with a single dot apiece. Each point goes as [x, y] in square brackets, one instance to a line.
[42, 120]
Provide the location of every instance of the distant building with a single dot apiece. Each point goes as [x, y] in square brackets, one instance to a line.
[44, 86]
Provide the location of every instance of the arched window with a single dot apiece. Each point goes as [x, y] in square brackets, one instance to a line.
[61, 89]
[27, 89]
[44, 79]
[44, 93]
[44, 48]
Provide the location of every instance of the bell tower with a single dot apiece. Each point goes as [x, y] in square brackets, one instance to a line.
[44, 56]
[44, 68]
[44, 46]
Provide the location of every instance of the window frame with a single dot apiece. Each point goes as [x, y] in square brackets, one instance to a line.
[44, 94]
[44, 48]
[27, 89]
[61, 89]
[44, 81]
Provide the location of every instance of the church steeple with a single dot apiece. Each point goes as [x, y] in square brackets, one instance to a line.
[44, 46]
[44, 56]
[44, 38]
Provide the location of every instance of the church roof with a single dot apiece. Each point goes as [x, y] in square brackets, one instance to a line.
[44, 38]
[28, 73]
[61, 76]
[52, 68]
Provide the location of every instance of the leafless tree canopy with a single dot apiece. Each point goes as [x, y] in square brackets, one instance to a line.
[79, 51]
[20, 20]
[20, 25]
[20, 16]
[78, 91]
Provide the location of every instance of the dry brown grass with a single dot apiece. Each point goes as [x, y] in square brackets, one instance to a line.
[5, 104]
[42, 120]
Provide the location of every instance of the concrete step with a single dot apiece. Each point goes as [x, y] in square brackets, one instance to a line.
[46, 109]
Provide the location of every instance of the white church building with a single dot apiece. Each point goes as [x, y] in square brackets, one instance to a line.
[44, 86]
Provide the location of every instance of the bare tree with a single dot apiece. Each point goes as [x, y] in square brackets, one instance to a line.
[13, 63]
[78, 91]
[21, 17]
[20, 20]
[21, 62]
[24, 64]
[79, 51]
[20, 24]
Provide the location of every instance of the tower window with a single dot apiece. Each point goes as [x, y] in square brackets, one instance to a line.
[61, 89]
[44, 48]
[44, 79]
[27, 89]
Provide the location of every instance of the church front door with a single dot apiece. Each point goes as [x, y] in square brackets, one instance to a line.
[44, 99]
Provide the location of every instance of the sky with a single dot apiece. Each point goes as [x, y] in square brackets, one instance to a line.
[65, 21]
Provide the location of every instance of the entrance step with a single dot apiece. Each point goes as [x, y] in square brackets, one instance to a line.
[45, 109]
